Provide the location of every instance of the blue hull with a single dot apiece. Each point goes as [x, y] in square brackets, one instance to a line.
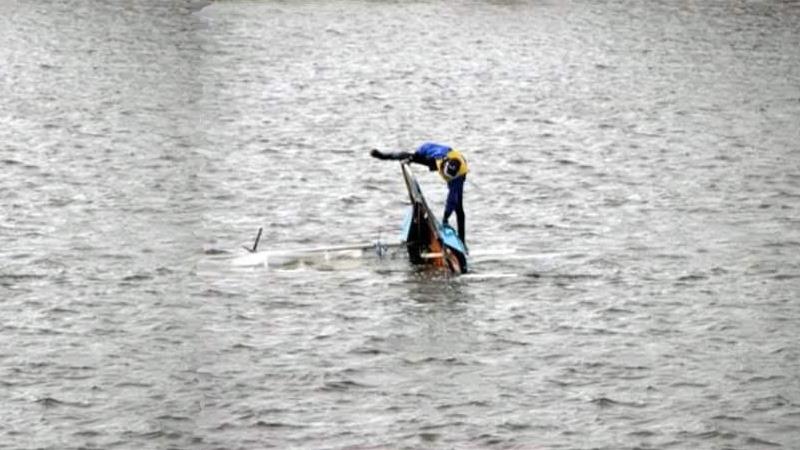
[428, 240]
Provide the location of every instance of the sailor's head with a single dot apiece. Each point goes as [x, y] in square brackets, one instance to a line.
[450, 168]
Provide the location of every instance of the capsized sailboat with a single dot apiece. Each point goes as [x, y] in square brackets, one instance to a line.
[429, 241]
[312, 255]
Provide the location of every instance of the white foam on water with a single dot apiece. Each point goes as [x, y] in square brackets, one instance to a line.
[487, 276]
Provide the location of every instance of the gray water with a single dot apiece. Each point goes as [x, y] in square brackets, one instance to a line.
[635, 173]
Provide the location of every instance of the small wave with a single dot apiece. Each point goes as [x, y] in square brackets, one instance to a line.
[87, 433]
[450, 361]
[116, 256]
[782, 244]
[786, 276]
[173, 418]
[615, 310]
[780, 350]
[20, 276]
[240, 346]
[266, 424]
[760, 442]
[429, 437]
[164, 271]
[468, 405]
[491, 440]
[79, 368]
[642, 433]
[133, 384]
[692, 277]
[513, 341]
[516, 426]
[605, 402]
[671, 256]
[559, 382]
[216, 293]
[688, 384]
[728, 418]
[224, 426]
[51, 402]
[46, 332]
[60, 310]
[709, 435]
[370, 351]
[769, 403]
[156, 434]
[563, 276]
[604, 331]
[342, 385]
[762, 379]
[137, 277]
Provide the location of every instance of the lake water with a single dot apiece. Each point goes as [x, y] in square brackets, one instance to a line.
[633, 212]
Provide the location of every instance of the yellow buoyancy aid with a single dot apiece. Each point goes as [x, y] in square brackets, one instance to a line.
[452, 154]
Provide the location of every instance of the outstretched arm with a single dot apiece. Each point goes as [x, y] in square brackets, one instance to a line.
[404, 156]
[394, 156]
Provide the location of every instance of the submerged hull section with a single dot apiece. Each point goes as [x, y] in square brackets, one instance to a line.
[429, 241]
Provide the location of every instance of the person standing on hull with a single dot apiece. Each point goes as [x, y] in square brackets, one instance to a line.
[451, 165]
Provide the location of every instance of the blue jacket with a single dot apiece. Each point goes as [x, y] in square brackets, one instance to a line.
[433, 150]
[427, 154]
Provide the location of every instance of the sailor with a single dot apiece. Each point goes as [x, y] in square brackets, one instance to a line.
[450, 164]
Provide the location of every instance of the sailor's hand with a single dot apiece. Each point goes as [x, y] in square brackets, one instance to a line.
[375, 153]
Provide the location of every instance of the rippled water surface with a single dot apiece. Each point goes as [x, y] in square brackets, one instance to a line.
[633, 212]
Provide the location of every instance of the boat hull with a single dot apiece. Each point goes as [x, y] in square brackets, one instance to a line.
[429, 241]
